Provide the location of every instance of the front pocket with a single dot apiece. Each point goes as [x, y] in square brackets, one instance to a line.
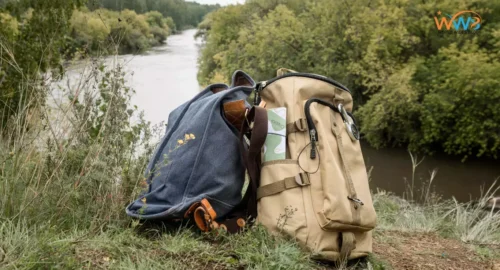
[339, 190]
[281, 204]
[352, 162]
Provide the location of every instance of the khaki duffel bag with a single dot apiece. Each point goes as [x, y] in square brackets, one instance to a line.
[319, 194]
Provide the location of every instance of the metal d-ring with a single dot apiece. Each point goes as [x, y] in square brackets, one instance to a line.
[351, 127]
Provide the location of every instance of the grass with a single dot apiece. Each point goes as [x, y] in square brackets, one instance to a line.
[180, 247]
[468, 222]
[64, 183]
[126, 248]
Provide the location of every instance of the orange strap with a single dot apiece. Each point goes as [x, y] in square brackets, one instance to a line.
[204, 216]
[208, 208]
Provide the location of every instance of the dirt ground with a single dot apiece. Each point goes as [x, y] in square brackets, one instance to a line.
[410, 251]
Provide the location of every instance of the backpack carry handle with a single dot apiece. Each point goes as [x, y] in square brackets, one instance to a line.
[241, 78]
[283, 71]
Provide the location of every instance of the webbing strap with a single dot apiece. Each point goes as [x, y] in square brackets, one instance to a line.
[299, 180]
[297, 126]
[349, 183]
[348, 245]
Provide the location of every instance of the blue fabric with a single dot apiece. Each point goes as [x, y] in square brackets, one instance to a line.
[209, 166]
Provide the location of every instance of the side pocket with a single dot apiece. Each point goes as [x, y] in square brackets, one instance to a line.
[281, 203]
[340, 192]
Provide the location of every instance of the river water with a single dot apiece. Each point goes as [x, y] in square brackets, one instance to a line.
[165, 77]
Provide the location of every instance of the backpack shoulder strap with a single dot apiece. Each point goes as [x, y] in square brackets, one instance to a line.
[255, 127]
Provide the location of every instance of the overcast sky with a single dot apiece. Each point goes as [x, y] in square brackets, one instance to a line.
[221, 2]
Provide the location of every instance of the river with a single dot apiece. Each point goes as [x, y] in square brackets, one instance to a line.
[165, 77]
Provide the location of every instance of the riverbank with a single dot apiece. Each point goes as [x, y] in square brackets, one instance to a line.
[62, 198]
[408, 237]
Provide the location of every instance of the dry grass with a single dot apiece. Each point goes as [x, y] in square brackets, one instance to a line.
[474, 224]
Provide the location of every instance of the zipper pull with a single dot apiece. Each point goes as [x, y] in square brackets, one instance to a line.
[312, 134]
[356, 200]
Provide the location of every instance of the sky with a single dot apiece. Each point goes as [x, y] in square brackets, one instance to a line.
[221, 2]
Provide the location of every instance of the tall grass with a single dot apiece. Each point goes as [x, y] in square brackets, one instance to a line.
[69, 164]
[471, 222]
[75, 162]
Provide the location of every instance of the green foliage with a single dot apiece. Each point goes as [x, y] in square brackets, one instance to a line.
[223, 26]
[413, 85]
[391, 115]
[160, 26]
[103, 31]
[30, 45]
[461, 110]
[184, 14]
[89, 30]
[10, 27]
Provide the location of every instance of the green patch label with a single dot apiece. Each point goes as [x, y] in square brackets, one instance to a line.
[275, 145]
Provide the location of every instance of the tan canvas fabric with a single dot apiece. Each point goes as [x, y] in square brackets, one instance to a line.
[316, 209]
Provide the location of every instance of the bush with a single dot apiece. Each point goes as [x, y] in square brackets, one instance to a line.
[89, 30]
[160, 26]
[105, 32]
[10, 27]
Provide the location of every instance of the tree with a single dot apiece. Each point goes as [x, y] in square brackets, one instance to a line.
[184, 14]
[33, 50]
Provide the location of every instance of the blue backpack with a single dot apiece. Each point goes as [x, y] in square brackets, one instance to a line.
[198, 170]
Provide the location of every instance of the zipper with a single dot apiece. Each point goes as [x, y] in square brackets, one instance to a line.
[351, 127]
[263, 84]
[313, 133]
[314, 139]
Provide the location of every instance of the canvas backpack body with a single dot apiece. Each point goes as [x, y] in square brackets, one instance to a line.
[197, 165]
[319, 194]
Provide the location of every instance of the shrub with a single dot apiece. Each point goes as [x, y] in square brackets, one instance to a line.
[105, 32]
